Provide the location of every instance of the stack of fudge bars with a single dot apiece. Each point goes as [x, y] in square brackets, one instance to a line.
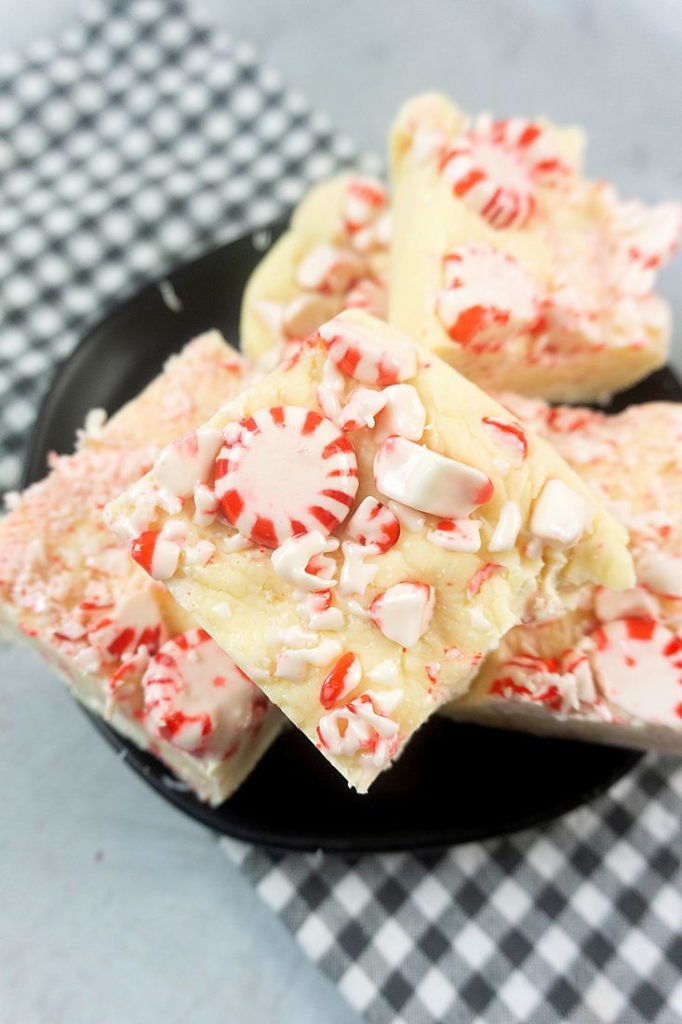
[385, 518]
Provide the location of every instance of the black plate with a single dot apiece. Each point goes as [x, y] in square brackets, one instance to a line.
[455, 783]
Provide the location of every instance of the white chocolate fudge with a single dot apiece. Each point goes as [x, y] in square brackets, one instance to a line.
[383, 524]
[508, 263]
[611, 670]
[126, 650]
[333, 256]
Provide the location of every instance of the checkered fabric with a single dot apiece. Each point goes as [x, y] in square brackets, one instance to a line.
[578, 922]
[137, 139]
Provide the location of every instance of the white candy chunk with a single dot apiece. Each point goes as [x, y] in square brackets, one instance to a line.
[507, 529]
[403, 612]
[291, 558]
[403, 413]
[457, 535]
[368, 351]
[661, 573]
[361, 409]
[638, 667]
[330, 390]
[328, 269]
[205, 505]
[293, 663]
[423, 479]
[620, 604]
[560, 515]
[188, 461]
[355, 575]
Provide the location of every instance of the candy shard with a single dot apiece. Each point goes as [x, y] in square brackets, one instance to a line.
[403, 612]
[379, 356]
[290, 560]
[373, 523]
[402, 413]
[188, 461]
[428, 481]
[157, 553]
[507, 528]
[338, 683]
[560, 515]
[457, 535]
[285, 471]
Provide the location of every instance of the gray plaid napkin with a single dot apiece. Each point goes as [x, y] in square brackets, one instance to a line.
[133, 141]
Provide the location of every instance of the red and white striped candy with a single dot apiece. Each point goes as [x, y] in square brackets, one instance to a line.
[487, 297]
[428, 481]
[133, 623]
[157, 553]
[283, 472]
[365, 200]
[457, 535]
[496, 167]
[188, 461]
[374, 523]
[368, 351]
[340, 680]
[197, 699]
[638, 665]
[329, 270]
[403, 612]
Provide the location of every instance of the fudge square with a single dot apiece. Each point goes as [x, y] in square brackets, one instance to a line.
[126, 650]
[611, 670]
[511, 265]
[333, 256]
[383, 524]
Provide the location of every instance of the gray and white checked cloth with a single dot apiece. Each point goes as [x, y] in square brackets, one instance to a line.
[135, 140]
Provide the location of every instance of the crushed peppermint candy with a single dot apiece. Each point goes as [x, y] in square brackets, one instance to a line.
[403, 612]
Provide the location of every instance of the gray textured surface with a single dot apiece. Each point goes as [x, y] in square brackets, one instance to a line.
[160, 927]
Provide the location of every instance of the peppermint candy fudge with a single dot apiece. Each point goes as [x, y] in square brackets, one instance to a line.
[511, 265]
[382, 524]
[126, 650]
[611, 670]
[333, 256]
